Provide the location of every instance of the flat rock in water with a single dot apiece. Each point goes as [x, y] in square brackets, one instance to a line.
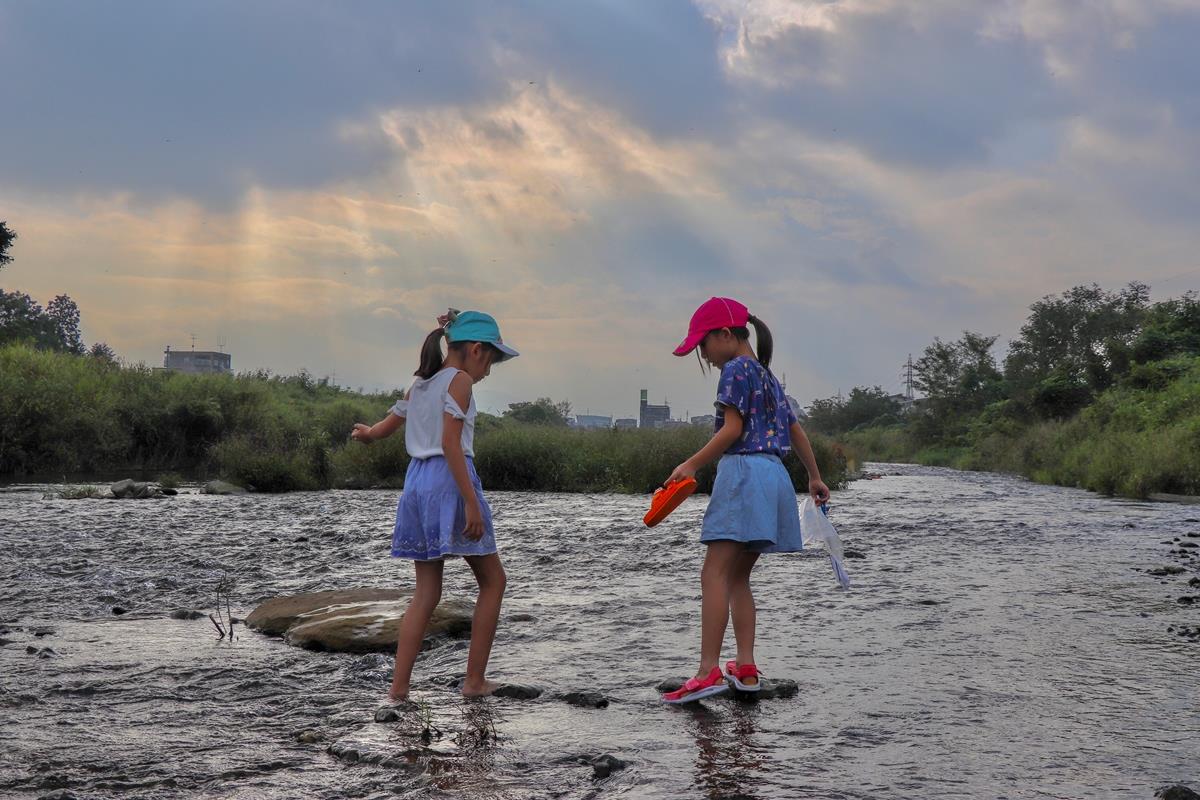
[517, 691]
[779, 689]
[221, 487]
[351, 620]
[187, 613]
[585, 699]
[1176, 792]
[136, 490]
[1165, 570]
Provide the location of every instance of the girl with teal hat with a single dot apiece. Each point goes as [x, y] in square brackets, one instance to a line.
[442, 511]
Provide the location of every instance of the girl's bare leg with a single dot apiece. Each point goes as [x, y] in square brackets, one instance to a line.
[489, 574]
[425, 598]
[719, 564]
[741, 608]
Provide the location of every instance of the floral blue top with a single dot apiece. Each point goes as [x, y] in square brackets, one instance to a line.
[750, 388]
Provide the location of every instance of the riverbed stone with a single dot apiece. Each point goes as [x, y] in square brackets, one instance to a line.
[352, 620]
[135, 490]
[187, 613]
[602, 765]
[584, 699]
[772, 689]
[1169, 569]
[517, 691]
[1176, 792]
[221, 487]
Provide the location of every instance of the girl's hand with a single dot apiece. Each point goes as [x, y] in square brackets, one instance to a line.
[474, 528]
[361, 433]
[819, 491]
[684, 470]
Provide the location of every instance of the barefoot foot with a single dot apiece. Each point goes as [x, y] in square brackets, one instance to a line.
[482, 689]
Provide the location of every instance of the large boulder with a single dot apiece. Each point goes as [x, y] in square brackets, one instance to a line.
[352, 620]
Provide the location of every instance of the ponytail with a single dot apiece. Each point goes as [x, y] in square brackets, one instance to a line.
[764, 344]
[431, 354]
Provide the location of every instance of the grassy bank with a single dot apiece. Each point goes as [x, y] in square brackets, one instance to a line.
[1139, 437]
[61, 413]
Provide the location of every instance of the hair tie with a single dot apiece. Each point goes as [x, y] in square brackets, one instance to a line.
[447, 319]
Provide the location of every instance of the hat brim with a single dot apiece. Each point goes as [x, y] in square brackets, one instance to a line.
[689, 344]
[506, 350]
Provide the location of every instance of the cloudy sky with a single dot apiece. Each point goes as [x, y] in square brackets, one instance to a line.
[312, 183]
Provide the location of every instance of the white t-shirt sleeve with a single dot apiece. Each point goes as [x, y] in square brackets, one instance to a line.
[452, 408]
[400, 407]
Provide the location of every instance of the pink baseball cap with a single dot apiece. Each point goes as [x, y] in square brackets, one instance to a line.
[714, 314]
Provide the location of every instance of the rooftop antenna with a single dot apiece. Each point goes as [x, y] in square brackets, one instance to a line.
[221, 344]
[193, 341]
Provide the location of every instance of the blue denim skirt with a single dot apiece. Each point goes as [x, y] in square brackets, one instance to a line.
[753, 502]
[431, 515]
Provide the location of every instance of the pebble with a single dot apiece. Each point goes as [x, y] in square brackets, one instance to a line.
[585, 699]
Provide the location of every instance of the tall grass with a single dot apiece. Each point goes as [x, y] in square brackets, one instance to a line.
[61, 413]
[1135, 439]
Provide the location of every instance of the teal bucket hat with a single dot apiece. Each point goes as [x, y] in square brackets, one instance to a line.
[476, 326]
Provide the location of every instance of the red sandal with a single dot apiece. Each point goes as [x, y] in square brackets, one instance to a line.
[697, 689]
[735, 675]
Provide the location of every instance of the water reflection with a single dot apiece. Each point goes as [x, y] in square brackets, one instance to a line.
[729, 762]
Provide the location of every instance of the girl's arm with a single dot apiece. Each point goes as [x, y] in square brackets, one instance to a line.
[380, 430]
[460, 390]
[803, 448]
[721, 441]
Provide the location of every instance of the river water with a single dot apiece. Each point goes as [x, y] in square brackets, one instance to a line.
[1000, 640]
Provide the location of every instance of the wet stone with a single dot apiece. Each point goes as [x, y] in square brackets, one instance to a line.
[309, 736]
[1176, 792]
[517, 691]
[585, 699]
[42, 630]
[351, 620]
[118, 610]
[1165, 570]
[187, 613]
[522, 618]
[394, 712]
[852, 554]
[602, 765]
[1186, 600]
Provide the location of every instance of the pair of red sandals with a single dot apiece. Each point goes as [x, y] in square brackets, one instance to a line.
[716, 683]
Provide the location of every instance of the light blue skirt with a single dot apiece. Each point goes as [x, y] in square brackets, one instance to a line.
[753, 501]
[431, 514]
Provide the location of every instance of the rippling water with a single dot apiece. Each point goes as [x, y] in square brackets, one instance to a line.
[1000, 640]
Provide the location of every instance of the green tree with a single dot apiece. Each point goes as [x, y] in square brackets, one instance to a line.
[7, 237]
[22, 319]
[63, 312]
[542, 411]
[1082, 336]
[863, 406]
[960, 375]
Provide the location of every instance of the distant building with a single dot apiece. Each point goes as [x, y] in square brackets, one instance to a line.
[197, 361]
[625, 422]
[705, 420]
[652, 416]
[592, 421]
[676, 423]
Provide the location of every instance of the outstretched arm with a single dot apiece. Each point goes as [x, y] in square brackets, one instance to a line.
[803, 448]
[721, 441]
[380, 430]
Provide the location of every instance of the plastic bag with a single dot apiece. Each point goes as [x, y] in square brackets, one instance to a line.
[815, 528]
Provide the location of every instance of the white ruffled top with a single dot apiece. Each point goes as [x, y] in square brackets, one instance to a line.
[423, 406]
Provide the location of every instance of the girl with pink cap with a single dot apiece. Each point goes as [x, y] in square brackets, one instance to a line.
[753, 507]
